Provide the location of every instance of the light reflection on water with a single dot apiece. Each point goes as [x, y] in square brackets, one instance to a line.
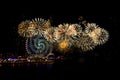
[26, 65]
[36, 71]
[11, 71]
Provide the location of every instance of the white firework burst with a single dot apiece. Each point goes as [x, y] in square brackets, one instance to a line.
[85, 43]
[90, 27]
[67, 31]
[99, 35]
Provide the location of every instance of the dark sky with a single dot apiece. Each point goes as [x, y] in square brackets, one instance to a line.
[102, 60]
[10, 41]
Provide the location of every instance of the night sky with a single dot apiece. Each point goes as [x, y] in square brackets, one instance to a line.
[104, 58]
[11, 42]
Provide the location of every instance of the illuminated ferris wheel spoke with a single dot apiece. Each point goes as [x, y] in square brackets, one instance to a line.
[38, 45]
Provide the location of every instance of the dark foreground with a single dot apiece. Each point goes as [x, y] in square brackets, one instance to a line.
[59, 70]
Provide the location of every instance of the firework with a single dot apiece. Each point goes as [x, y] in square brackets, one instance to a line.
[31, 28]
[85, 43]
[65, 35]
[99, 35]
[42, 37]
[67, 31]
[60, 32]
[25, 29]
[41, 24]
[64, 46]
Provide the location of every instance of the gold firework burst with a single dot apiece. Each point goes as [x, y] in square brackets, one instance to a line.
[31, 28]
[99, 35]
[63, 46]
[26, 29]
[85, 43]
